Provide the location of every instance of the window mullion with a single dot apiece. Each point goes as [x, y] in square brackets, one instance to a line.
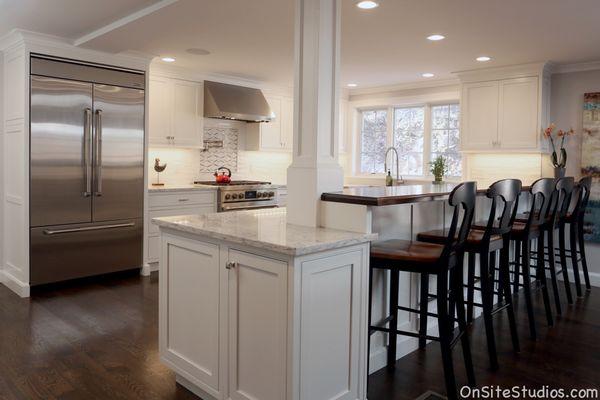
[427, 139]
[390, 127]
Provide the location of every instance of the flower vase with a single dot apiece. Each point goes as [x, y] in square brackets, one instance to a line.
[559, 172]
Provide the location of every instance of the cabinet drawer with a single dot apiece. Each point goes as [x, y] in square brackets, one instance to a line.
[171, 212]
[181, 199]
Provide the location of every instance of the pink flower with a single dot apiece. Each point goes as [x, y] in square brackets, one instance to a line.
[561, 133]
[570, 132]
[548, 131]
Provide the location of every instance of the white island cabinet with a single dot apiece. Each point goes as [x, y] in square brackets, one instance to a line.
[253, 308]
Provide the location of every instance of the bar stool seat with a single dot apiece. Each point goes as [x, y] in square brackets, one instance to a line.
[473, 240]
[425, 256]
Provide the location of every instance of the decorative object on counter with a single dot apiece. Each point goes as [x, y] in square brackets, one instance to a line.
[158, 168]
[389, 181]
[559, 160]
[438, 168]
[590, 163]
[223, 175]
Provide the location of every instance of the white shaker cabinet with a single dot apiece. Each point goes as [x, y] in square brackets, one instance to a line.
[274, 135]
[175, 112]
[504, 110]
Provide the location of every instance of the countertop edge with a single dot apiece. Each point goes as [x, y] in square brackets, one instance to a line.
[291, 251]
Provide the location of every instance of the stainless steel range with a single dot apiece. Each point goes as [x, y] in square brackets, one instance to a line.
[244, 195]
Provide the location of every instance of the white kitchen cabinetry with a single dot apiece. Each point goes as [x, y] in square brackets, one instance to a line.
[506, 112]
[167, 204]
[274, 135]
[244, 323]
[175, 112]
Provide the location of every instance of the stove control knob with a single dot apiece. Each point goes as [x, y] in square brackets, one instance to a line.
[271, 194]
[227, 197]
[234, 196]
[259, 195]
[241, 195]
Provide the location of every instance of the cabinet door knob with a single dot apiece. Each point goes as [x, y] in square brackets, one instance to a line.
[230, 265]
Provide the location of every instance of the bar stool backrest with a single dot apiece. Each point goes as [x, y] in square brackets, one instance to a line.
[504, 193]
[563, 196]
[584, 187]
[542, 193]
[462, 199]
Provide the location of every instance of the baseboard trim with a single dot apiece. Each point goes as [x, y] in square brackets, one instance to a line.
[10, 281]
[193, 388]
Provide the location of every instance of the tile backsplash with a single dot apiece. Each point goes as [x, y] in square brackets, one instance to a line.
[216, 157]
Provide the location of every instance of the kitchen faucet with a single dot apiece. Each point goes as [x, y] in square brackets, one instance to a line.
[398, 180]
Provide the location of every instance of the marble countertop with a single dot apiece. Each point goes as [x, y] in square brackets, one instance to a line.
[265, 229]
[179, 188]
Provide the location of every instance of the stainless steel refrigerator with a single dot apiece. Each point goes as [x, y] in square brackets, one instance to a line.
[86, 170]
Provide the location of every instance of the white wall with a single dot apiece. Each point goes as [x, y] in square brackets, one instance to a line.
[566, 111]
[1, 152]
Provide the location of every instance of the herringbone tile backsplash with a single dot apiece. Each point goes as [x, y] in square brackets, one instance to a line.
[226, 156]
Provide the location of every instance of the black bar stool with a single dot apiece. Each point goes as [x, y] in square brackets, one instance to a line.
[444, 262]
[486, 242]
[523, 233]
[556, 220]
[575, 219]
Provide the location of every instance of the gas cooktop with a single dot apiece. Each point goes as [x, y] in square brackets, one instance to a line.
[232, 183]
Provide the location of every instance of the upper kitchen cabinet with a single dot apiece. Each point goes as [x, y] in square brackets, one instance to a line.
[504, 109]
[175, 112]
[277, 134]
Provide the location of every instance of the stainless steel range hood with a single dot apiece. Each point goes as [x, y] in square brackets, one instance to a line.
[225, 101]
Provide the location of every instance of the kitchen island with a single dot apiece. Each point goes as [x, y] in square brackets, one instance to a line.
[252, 307]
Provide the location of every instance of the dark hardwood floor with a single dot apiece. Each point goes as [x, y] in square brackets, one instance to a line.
[97, 339]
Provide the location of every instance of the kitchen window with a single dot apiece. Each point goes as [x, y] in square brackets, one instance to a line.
[419, 133]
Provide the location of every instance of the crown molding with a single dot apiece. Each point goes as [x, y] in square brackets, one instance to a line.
[404, 86]
[35, 42]
[177, 72]
[576, 67]
[504, 72]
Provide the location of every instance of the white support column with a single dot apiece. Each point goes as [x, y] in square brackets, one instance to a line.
[315, 168]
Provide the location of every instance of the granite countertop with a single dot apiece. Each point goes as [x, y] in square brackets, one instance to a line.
[179, 188]
[264, 229]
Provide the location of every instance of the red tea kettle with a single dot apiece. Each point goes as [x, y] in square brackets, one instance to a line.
[223, 175]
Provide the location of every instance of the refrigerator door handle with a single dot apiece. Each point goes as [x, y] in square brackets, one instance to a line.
[87, 148]
[98, 153]
[87, 228]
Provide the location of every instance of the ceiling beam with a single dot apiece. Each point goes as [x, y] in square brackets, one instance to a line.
[123, 21]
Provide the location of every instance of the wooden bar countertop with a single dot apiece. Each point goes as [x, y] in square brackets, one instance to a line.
[389, 195]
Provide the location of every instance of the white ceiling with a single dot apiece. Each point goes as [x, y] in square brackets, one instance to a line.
[387, 45]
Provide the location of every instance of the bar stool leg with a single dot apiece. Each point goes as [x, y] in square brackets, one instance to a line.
[586, 275]
[393, 334]
[517, 275]
[470, 286]
[487, 297]
[527, 286]
[445, 334]
[552, 265]
[424, 301]
[540, 272]
[505, 290]
[573, 244]
[563, 262]
[462, 324]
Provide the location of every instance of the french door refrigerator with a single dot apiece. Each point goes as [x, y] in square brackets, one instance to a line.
[86, 170]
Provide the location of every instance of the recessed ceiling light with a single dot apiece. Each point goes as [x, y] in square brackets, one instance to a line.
[168, 59]
[483, 58]
[352, 85]
[427, 75]
[435, 38]
[198, 52]
[367, 4]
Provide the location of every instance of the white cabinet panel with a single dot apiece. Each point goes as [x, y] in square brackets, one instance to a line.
[160, 96]
[479, 110]
[274, 135]
[175, 112]
[518, 113]
[190, 336]
[287, 123]
[257, 327]
[182, 198]
[330, 308]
